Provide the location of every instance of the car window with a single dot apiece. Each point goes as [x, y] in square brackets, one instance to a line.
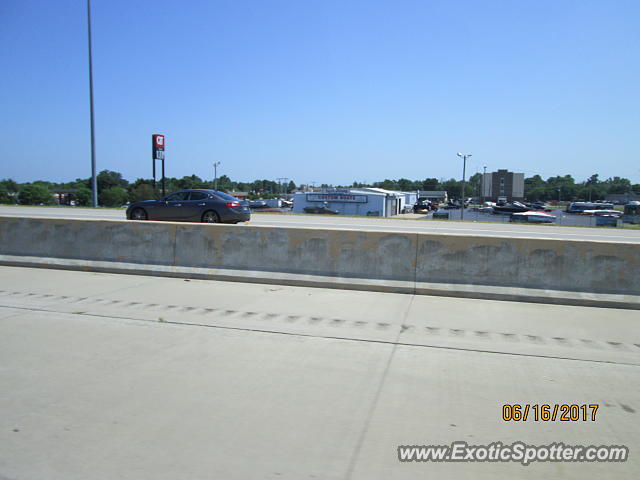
[198, 196]
[226, 197]
[177, 196]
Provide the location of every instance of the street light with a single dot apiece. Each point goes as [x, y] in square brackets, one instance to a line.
[484, 175]
[215, 175]
[94, 179]
[464, 171]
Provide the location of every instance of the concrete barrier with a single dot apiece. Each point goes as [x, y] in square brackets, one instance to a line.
[539, 270]
[574, 265]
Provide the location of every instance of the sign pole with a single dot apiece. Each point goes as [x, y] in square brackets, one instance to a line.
[153, 162]
[157, 142]
[164, 193]
[94, 178]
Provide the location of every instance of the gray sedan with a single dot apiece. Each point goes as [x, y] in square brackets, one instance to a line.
[200, 205]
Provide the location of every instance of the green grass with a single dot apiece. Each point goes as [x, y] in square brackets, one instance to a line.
[60, 206]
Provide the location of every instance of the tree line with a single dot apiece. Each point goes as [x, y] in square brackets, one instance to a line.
[114, 190]
[564, 188]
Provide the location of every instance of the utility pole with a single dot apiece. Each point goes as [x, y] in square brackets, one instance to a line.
[464, 170]
[281, 182]
[484, 175]
[478, 188]
[94, 178]
[215, 175]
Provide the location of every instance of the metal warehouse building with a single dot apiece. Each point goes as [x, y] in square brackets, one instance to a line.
[375, 202]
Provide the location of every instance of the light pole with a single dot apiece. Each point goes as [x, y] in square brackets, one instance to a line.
[282, 185]
[215, 175]
[484, 175]
[464, 171]
[94, 178]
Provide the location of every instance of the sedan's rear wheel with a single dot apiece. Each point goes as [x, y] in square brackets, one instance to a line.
[210, 217]
[138, 214]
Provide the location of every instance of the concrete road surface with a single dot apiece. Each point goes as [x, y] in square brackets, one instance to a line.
[398, 224]
[109, 376]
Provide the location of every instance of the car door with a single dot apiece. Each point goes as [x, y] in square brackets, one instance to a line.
[173, 207]
[193, 208]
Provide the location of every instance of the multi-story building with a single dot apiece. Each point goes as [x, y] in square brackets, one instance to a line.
[502, 184]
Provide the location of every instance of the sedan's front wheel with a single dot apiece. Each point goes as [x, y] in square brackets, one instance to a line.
[138, 214]
[210, 217]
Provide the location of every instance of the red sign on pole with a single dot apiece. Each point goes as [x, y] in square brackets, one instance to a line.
[158, 141]
[157, 147]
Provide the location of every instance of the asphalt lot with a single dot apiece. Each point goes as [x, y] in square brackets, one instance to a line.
[408, 223]
[562, 218]
[118, 376]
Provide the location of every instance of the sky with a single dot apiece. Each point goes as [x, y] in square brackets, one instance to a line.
[327, 91]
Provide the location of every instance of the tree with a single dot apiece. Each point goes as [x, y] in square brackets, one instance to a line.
[472, 189]
[113, 197]
[430, 184]
[107, 179]
[10, 185]
[387, 185]
[562, 187]
[34, 194]
[618, 185]
[405, 185]
[83, 196]
[225, 184]
[453, 188]
[5, 195]
[592, 189]
[192, 181]
[143, 191]
[535, 189]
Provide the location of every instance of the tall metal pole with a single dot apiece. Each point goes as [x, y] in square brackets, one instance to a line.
[464, 172]
[215, 175]
[282, 185]
[464, 169]
[94, 178]
[484, 175]
[164, 192]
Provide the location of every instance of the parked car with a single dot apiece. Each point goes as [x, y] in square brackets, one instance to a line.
[603, 213]
[509, 208]
[321, 210]
[209, 206]
[532, 216]
[580, 207]
[422, 205]
[257, 204]
[632, 212]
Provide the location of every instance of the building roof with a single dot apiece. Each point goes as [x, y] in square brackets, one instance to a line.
[433, 193]
[379, 190]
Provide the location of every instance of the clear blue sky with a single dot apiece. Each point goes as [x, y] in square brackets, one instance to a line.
[325, 91]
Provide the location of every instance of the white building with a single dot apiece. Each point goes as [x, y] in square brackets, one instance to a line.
[375, 202]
